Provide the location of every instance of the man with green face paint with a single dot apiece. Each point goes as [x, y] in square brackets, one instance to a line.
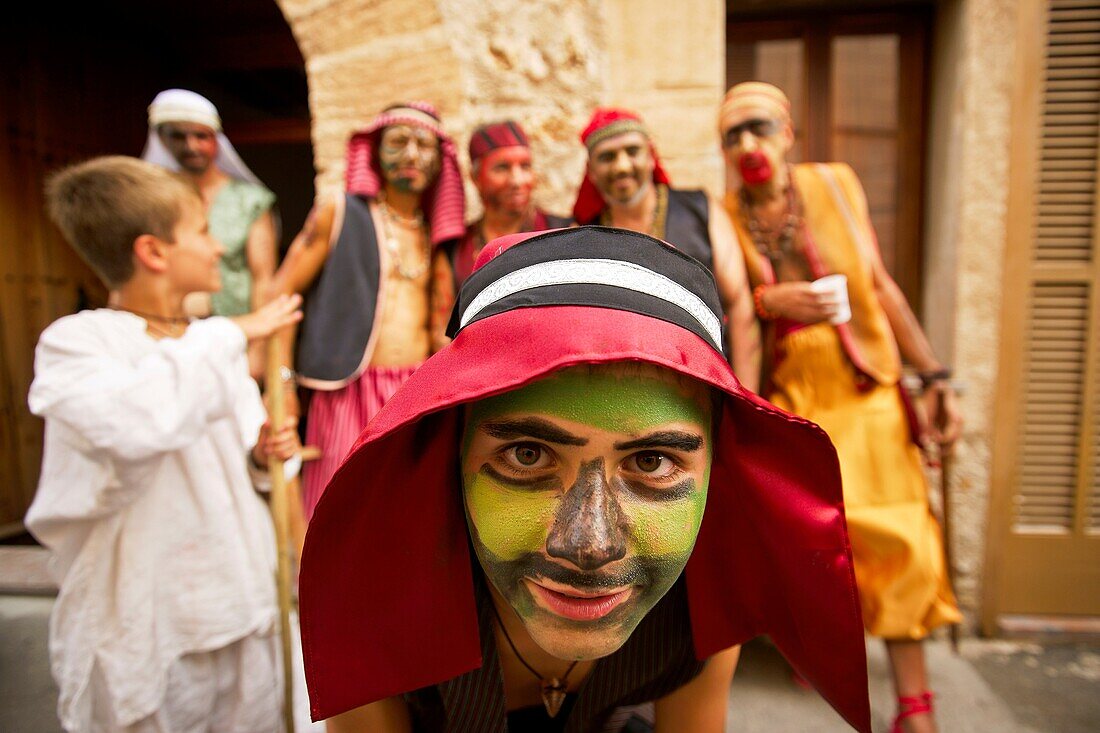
[583, 511]
[634, 513]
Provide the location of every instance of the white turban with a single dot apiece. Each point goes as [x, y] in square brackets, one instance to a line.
[181, 105]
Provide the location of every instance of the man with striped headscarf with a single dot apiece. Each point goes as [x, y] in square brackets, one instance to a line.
[366, 262]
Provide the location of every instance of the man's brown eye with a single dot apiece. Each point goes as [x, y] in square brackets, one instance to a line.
[649, 462]
[528, 455]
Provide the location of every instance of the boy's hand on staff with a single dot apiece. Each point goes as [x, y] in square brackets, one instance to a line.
[279, 444]
[262, 322]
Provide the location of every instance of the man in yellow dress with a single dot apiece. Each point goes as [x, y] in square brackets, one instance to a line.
[797, 224]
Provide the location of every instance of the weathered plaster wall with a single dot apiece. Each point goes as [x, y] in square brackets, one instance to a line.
[667, 61]
[968, 190]
[362, 56]
[546, 64]
[538, 63]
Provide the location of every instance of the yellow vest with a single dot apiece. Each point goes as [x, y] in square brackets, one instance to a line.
[837, 238]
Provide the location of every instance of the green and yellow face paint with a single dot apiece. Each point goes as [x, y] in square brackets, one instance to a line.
[584, 492]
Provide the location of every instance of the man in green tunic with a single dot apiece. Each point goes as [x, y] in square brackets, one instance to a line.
[185, 135]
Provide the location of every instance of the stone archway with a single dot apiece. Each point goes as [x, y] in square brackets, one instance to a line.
[544, 64]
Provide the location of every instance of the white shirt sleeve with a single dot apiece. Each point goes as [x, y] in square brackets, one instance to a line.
[134, 411]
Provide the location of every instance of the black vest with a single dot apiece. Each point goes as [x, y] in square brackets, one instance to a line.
[657, 659]
[339, 307]
[687, 224]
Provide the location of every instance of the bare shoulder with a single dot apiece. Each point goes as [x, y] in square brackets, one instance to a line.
[700, 705]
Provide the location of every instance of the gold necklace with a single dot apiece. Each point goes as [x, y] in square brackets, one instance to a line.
[660, 214]
[553, 689]
[389, 219]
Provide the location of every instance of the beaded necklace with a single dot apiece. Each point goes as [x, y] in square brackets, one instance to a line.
[780, 242]
[391, 218]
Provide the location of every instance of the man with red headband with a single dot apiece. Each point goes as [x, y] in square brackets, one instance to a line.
[832, 356]
[364, 262]
[634, 514]
[625, 186]
[500, 158]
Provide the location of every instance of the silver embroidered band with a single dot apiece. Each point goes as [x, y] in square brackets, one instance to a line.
[614, 273]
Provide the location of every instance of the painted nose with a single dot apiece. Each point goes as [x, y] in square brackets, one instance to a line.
[589, 527]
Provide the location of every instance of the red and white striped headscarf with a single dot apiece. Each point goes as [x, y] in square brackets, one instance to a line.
[444, 202]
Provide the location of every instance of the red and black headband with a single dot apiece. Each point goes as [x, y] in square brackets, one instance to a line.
[587, 267]
[487, 138]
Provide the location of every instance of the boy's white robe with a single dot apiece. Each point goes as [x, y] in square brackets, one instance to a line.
[160, 545]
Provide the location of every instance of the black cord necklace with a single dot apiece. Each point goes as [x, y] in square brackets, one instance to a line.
[553, 689]
[175, 320]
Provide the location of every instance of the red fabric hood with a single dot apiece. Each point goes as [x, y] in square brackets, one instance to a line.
[386, 588]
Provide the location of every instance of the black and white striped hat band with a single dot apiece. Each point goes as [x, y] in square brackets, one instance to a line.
[600, 267]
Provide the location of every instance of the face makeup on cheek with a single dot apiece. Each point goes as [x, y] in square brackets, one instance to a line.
[193, 146]
[584, 493]
[505, 179]
[756, 147]
[755, 168]
[409, 157]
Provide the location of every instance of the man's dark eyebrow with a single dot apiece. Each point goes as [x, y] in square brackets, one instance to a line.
[531, 427]
[676, 439]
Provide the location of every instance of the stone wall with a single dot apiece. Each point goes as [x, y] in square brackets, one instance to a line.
[968, 191]
[546, 64]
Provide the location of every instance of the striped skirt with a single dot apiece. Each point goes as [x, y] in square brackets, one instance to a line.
[337, 417]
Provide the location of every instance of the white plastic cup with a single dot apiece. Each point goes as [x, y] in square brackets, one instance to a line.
[836, 287]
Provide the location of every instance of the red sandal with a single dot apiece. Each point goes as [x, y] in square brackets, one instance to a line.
[908, 706]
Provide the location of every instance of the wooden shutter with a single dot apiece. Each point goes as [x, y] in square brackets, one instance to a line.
[1044, 549]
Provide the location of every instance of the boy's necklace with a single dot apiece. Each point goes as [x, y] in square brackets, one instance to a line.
[151, 319]
[153, 316]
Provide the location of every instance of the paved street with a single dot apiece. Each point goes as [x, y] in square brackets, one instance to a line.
[992, 686]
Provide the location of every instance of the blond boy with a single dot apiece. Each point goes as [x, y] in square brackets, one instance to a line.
[155, 436]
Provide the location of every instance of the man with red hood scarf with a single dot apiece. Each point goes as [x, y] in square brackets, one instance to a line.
[365, 262]
[626, 186]
[500, 160]
[833, 357]
[573, 510]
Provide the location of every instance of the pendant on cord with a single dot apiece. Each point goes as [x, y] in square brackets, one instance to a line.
[553, 695]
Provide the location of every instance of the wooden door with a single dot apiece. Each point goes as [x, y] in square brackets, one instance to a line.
[1044, 535]
[41, 278]
[857, 88]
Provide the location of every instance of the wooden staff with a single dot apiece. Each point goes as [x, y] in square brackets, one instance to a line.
[946, 459]
[280, 511]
